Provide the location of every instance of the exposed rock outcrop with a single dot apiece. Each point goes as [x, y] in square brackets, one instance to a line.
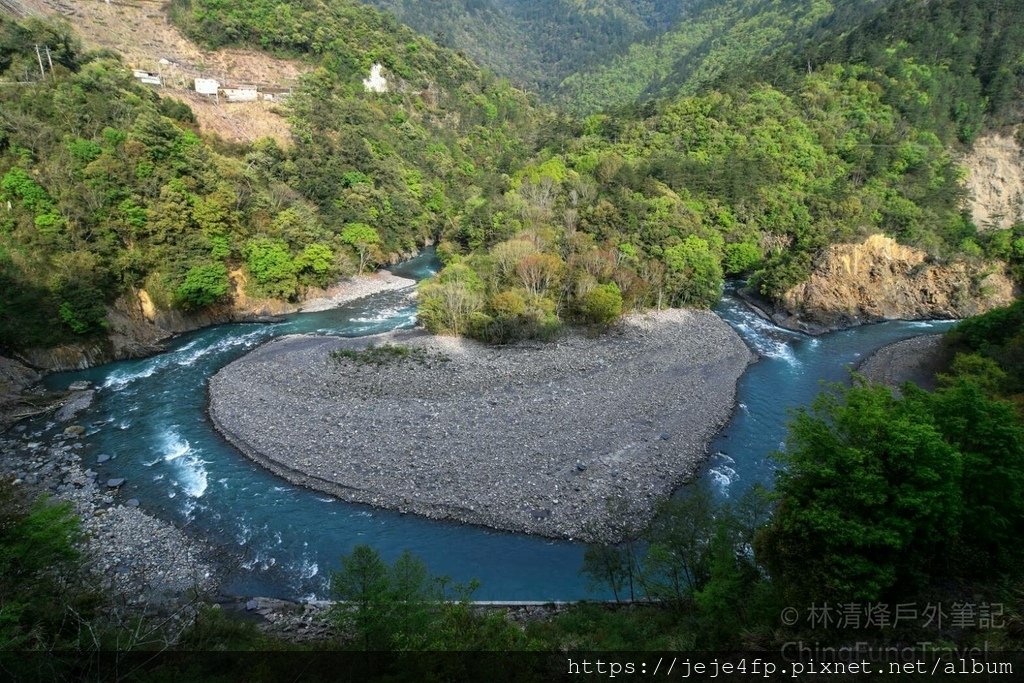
[917, 360]
[76, 402]
[15, 377]
[995, 181]
[881, 279]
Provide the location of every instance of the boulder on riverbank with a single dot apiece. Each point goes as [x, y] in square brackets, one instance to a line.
[132, 557]
[536, 438]
[15, 377]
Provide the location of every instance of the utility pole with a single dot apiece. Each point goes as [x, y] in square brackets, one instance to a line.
[49, 58]
[39, 56]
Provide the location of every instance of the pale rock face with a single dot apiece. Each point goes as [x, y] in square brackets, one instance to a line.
[376, 82]
[881, 279]
[995, 182]
[147, 306]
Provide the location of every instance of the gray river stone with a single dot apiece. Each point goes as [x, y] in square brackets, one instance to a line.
[76, 402]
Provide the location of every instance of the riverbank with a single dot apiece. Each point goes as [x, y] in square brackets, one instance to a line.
[129, 553]
[137, 329]
[357, 287]
[879, 280]
[533, 438]
[133, 558]
[915, 360]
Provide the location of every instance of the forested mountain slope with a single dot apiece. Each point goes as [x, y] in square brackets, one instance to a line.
[739, 40]
[968, 55]
[656, 209]
[538, 43]
[784, 155]
[542, 217]
[710, 39]
[106, 187]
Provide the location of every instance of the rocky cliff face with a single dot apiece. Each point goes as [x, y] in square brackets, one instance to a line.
[881, 279]
[15, 377]
[995, 182]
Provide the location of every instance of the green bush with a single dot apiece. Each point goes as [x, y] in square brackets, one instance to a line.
[602, 305]
[694, 273]
[203, 286]
[316, 265]
[402, 606]
[271, 265]
[37, 562]
[740, 258]
[82, 308]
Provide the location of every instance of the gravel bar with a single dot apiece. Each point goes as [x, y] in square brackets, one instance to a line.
[356, 287]
[916, 360]
[534, 438]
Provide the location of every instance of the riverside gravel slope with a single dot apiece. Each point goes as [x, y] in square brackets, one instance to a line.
[534, 438]
[916, 360]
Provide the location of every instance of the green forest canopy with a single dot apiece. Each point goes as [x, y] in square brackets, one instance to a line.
[542, 216]
[112, 187]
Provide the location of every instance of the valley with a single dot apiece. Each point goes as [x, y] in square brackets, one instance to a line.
[606, 303]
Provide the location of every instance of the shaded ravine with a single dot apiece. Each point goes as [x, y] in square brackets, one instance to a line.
[150, 415]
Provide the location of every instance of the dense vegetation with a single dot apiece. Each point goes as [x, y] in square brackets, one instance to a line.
[535, 43]
[655, 205]
[107, 187]
[110, 188]
[969, 52]
[714, 38]
[989, 350]
[543, 218]
[656, 211]
[39, 566]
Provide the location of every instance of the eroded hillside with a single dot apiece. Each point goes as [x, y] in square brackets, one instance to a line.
[995, 181]
[141, 32]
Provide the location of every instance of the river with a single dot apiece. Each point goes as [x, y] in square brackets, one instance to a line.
[149, 415]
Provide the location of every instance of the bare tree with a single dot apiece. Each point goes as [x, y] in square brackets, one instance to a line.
[571, 218]
[508, 254]
[772, 243]
[539, 272]
[538, 200]
[459, 303]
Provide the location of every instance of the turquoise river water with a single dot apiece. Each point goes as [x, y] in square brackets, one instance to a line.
[150, 415]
